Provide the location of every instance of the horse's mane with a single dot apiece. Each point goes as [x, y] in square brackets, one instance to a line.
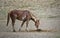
[34, 17]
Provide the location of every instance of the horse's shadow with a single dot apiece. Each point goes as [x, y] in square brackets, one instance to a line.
[30, 30]
[38, 30]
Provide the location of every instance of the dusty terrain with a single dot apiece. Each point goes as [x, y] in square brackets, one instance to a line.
[48, 11]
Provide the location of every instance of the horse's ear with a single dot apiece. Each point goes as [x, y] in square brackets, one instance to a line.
[38, 19]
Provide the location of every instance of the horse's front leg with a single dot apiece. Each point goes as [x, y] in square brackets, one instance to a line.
[27, 22]
[13, 22]
[13, 18]
[21, 25]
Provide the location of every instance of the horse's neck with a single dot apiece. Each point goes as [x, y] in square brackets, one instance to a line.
[34, 18]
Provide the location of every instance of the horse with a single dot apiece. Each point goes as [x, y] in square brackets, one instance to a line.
[22, 15]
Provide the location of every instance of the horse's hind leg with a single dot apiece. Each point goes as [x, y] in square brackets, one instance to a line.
[13, 22]
[21, 25]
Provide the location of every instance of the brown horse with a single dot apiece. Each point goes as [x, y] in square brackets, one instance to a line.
[22, 15]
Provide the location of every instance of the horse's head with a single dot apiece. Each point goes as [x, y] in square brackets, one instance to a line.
[36, 20]
[37, 23]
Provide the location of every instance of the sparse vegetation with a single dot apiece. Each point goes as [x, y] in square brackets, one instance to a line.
[40, 7]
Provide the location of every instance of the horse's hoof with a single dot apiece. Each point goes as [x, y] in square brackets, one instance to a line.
[14, 31]
[19, 29]
[27, 30]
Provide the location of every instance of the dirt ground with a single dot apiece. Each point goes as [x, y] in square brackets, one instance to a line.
[46, 30]
[29, 35]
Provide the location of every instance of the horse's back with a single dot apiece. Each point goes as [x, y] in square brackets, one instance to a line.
[20, 14]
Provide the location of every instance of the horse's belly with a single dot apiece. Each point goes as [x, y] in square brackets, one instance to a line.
[21, 18]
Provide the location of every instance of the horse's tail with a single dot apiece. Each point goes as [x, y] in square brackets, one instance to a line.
[8, 18]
